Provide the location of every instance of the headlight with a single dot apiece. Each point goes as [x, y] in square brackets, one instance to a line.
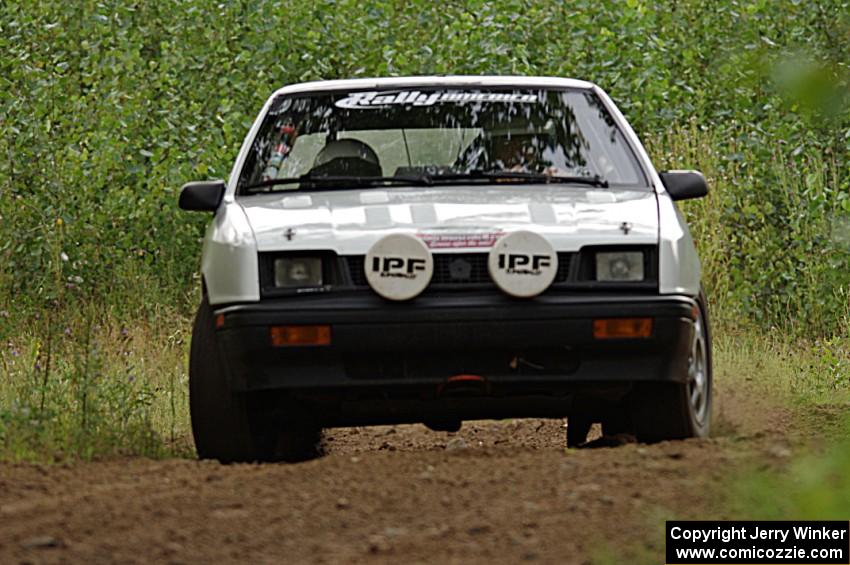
[615, 266]
[293, 272]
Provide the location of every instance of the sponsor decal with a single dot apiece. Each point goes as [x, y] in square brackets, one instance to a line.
[459, 240]
[523, 264]
[401, 267]
[383, 99]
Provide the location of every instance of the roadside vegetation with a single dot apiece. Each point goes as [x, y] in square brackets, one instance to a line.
[107, 108]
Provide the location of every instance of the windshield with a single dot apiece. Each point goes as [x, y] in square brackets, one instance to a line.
[396, 137]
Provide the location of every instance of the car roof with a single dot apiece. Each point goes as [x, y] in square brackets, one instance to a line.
[438, 80]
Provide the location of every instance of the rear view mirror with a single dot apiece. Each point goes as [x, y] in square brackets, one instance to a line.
[202, 196]
[682, 185]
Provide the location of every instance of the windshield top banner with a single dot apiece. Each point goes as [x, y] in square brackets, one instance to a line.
[382, 99]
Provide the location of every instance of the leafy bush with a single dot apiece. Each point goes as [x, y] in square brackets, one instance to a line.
[108, 107]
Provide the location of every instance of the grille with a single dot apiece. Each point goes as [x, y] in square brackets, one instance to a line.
[356, 269]
[564, 261]
[465, 268]
[455, 269]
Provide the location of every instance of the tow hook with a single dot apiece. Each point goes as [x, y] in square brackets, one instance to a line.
[464, 385]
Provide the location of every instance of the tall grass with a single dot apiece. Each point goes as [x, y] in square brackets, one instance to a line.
[765, 232]
[81, 382]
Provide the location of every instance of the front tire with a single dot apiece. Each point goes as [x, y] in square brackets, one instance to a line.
[232, 426]
[665, 411]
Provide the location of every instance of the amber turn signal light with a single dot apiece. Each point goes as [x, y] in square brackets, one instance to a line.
[622, 328]
[287, 336]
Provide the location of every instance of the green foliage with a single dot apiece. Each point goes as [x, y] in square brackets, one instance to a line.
[81, 384]
[107, 107]
[765, 233]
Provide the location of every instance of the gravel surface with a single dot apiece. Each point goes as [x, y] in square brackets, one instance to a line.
[497, 491]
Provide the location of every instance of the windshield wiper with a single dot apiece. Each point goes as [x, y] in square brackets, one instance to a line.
[498, 176]
[343, 182]
[335, 182]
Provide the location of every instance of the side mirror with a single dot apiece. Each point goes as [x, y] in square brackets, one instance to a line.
[202, 196]
[683, 185]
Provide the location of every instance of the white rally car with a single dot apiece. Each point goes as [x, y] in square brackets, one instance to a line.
[440, 249]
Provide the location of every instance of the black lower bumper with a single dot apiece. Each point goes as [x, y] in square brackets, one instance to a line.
[541, 347]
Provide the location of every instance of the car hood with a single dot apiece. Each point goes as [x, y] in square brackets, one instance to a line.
[350, 221]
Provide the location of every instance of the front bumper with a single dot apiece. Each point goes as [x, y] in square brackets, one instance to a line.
[540, 346]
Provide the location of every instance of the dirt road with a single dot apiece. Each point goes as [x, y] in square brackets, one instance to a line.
[494, 492]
